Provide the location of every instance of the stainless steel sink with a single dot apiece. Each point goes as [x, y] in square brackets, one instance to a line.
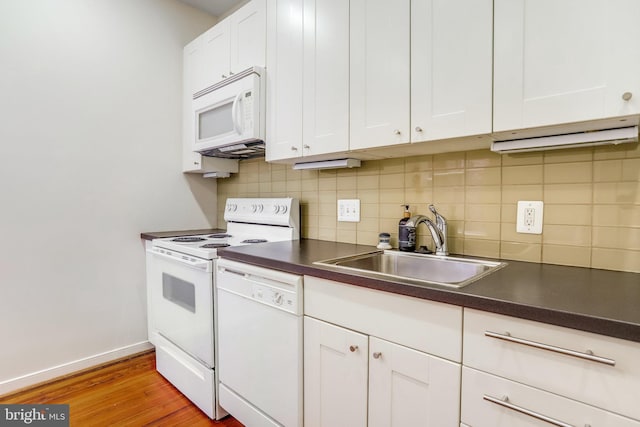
[416, 268]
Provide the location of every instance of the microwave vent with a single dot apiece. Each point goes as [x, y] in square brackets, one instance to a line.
[242, 150]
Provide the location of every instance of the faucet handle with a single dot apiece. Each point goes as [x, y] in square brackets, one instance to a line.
[441, 222]
[439, 218]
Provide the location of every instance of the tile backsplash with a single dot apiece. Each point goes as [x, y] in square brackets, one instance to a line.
[591, 201]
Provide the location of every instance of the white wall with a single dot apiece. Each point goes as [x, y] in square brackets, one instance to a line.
[90, 110]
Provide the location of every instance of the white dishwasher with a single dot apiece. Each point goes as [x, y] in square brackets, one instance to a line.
[260, 344]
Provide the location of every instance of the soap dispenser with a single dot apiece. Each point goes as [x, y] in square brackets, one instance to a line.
[406, 234]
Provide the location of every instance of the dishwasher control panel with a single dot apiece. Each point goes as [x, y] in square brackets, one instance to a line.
[275, 297]
[272, 288]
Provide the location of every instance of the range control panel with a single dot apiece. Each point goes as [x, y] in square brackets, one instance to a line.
[283, 211]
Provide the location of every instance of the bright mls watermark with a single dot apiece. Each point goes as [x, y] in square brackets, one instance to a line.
[34, 415]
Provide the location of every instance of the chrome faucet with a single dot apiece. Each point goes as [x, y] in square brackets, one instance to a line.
[438, 229]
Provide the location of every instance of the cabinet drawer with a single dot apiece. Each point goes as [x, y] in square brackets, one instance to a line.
[490, 401]
[428, 326]
[595, 369]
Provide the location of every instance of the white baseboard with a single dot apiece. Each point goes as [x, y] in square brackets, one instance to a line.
[33, 378]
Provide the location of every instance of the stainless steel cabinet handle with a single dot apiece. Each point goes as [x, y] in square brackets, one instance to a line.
[505, 403]
[294, 148]
[418, 129]
[353, 348]
[397, 132]
[231, 73]
[627, 96]
[377, 355]
[588, 355]
[224, 76]
[306, 146]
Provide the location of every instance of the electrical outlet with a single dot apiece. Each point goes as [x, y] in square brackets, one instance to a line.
[349, 210]
[529, 218]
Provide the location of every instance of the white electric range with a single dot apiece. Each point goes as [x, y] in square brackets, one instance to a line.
[183, 296]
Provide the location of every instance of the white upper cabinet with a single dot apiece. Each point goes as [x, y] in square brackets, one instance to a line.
[380, 73]
[420, 70]
[284, 79]
[232, 45]
[325, 107]
[451, 68]
[212, 65]
[247, 27]
[562, 61]
[307, 78]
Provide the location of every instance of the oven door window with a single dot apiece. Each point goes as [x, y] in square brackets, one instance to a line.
[179, 292]
[215, 121]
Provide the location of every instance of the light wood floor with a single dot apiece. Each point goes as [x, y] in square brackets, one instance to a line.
[127, 393]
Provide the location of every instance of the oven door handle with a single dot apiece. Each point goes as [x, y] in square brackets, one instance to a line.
[203, 265]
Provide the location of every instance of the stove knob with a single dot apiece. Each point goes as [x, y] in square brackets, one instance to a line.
[233, 207]
[283, 209]
[260, 207]
[254, 208]
[276, 209]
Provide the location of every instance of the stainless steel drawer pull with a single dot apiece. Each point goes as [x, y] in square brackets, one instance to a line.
[505, 403]
[587, 355]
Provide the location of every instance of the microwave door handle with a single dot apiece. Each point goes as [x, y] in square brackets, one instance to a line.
[234, 114]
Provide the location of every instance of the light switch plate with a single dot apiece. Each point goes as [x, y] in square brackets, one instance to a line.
[529, 218]
[349, 210]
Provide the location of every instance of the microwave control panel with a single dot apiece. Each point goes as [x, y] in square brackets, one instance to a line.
[247, 110]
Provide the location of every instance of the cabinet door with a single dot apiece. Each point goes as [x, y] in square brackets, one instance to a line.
[247, 32]
[326, 77]
[565, 61]
[335, 376]
[411, 388]
[451, 68]
[213, 65]
[379, 73]
[191, 161]
[284, 79]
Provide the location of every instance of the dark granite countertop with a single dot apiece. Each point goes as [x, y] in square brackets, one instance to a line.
[150, 235]
[599, 301]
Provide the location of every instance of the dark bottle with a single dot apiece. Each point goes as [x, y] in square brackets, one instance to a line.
[406, 234]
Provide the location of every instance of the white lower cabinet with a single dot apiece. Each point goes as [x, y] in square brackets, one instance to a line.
[355, 380]
[491, 401]
[411, 388]
[373, 358]
[597, 370]
[335, 375]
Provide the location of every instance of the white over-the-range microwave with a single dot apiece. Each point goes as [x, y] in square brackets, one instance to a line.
[229, 117]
